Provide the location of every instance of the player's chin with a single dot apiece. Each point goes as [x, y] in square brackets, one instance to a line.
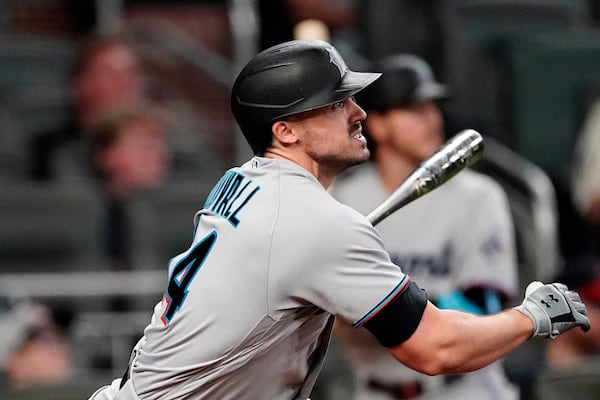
[361, 156]
[366, 153]
[341, 162]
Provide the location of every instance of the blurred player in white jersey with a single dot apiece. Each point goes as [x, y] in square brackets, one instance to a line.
[249, 308]
[457, 241]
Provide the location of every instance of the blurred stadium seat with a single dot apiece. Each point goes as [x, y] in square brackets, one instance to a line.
[45, 228]
[550, 73]
[581, 382]
[161, 221]
[477, 37]
[76, 390]
[34, 94]
[30, 60]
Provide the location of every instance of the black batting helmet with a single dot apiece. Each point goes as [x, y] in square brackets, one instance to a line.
[406, 79]
[287, 79]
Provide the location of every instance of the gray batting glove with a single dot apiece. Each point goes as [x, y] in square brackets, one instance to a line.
[554, 309]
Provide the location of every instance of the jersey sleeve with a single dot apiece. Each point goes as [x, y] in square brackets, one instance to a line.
[347, 271]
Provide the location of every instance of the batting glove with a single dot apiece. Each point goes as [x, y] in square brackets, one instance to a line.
[554, 309]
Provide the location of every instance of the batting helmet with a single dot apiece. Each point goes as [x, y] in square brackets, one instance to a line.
[406, 79]
[287, 79]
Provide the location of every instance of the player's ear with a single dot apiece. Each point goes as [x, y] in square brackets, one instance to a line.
[284, 132]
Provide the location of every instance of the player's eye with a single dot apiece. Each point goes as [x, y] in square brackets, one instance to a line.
[334, 108]
[338, 105]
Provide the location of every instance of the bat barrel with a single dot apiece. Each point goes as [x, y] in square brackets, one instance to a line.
[457, 153]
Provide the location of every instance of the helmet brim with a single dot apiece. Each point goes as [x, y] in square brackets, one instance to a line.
[352, 83]
[356, 81]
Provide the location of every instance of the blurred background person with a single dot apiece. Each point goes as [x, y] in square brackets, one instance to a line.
[34, 350]
[130, 150]
[584, 179]
[279, 18]
[468, 267]
[130, 154]
[105, 74]
[568, 366]
[583, 274]
[586, 182]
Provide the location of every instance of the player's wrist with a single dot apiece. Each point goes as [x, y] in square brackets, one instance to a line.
[526, 320]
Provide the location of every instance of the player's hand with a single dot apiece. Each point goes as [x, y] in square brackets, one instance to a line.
[554, 309]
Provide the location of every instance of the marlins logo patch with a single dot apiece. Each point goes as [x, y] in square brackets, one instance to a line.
[336, 60]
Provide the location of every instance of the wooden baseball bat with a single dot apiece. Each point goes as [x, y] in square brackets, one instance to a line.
[456, 154]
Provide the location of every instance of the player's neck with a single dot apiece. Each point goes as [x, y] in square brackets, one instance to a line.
[392, 169]
[323, 175]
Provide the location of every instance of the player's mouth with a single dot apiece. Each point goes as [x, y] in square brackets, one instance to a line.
[356, 131]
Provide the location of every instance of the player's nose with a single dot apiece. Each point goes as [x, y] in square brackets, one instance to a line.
[358, 113]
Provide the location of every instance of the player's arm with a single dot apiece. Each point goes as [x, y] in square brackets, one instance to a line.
[449, 341]
[435, 341]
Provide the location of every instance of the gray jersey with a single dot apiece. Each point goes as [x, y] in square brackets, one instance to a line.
[457, 237]
[249, 306]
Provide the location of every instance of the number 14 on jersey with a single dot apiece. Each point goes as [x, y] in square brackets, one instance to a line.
[183, 274]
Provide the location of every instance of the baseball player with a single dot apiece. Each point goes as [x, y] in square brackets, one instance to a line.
[457, 241]
[249, 307]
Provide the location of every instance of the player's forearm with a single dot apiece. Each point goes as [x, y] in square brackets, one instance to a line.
[477, 341]
[449, 341]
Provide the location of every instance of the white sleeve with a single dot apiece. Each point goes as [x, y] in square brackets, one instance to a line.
[348, 272]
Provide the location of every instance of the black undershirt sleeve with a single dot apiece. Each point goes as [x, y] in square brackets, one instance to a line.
[400, 318]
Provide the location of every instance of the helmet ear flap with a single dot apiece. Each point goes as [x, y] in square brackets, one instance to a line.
[288, 79]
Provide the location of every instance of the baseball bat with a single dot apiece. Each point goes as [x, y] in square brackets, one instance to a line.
[457, 153]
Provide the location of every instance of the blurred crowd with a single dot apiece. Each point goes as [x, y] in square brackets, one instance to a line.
[143, 107]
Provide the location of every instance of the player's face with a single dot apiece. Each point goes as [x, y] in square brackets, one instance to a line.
[414, 132]
[332, 135]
